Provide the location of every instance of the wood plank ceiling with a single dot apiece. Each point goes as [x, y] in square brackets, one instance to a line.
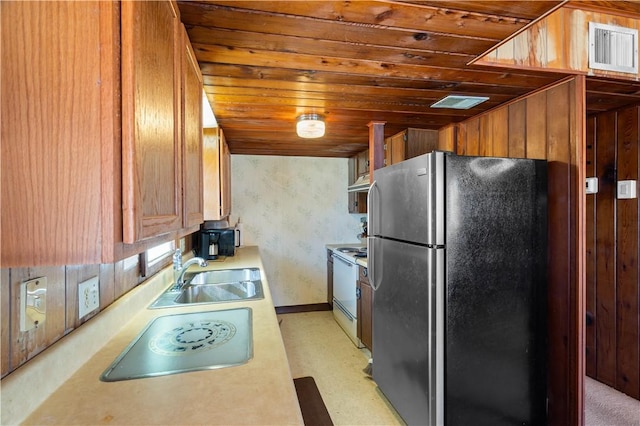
[266, 62]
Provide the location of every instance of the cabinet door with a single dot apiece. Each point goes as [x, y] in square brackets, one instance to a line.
[395, 148]
[225, 177]
[363, 162]
[151, 136]
[192, 135]
[59, 132]
[216, 160]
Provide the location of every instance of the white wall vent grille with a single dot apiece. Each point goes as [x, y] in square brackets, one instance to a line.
[613, 48]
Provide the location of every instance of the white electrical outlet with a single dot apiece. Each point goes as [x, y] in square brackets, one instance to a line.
[88, 296]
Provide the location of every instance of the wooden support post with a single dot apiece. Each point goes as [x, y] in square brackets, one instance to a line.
[376, 146]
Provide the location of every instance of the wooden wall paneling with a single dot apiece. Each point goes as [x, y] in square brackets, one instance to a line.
[628, 237]
[472, 133]
[5, 321]
[447, 136]
[107, 284]
[77, 274]
[605, 314]
[25, 345]
[500, 133]
[126, 277]
[517, 127]
[576, 88]
[556, 112]
[591, 252]
[485, 134]
[556, 37]
[536, 128]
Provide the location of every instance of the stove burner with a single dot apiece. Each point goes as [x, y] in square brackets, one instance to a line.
[192, 337]
[348, 249]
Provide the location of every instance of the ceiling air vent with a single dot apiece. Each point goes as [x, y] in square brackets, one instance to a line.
[613, 48]
[459, 102]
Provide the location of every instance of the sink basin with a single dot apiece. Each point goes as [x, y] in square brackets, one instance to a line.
[180, 343]
[223, 276]
[209, 293]
[226, 285]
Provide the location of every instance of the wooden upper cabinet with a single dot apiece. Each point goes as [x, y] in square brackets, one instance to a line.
[410, 143]
[362, 163]
[151, 131]
[60, 161]
[192, 135]
[225, 177]
[216, 161]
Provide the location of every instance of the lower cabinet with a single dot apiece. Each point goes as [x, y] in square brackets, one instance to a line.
[365, 309]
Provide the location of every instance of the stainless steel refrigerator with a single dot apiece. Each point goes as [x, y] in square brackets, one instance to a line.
[457, 259]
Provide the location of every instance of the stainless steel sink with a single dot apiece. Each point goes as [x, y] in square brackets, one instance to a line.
[208, 293]
[179, 343]
[224, 276]
[227, 285]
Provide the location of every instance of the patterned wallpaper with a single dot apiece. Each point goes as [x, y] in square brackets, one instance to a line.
[291, 207]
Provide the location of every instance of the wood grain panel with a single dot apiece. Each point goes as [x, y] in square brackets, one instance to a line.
[238, 20]
[517, 128]
[191, 135]
[151, 141]
[559, 42]
[107, 284]
[560, 265]
[628, 276]
[471, 145]
[25, 345]
[500, 133]
[447, 136]
[49, 215]
[421, 18]
[605, 260]
[5, 324]
[126, 278]
[536, 106]
[591, 252]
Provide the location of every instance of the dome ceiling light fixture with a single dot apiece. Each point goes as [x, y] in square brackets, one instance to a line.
[310, 126]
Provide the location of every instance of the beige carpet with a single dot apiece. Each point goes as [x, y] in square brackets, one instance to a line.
[605, 406]
[316, 346]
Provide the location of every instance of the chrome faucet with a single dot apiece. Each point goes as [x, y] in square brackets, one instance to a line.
[180, 281]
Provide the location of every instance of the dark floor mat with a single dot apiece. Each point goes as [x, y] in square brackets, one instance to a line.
[314, 412]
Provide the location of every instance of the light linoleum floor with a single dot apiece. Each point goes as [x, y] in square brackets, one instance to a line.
[316, 346]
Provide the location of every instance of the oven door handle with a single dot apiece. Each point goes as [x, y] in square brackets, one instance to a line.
[343, 309]
[342, 260]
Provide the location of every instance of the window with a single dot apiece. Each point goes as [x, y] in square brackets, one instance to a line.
[160, 252]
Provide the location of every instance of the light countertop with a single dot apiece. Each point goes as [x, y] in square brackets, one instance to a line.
[258, 392]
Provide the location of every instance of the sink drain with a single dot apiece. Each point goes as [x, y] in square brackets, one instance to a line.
[192, 337]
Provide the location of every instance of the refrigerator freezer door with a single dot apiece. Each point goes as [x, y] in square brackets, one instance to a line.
[407, 363]
[407, 200]
[495, 292]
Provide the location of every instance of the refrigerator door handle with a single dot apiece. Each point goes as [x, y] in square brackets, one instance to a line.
[372, 231]
[370, 205]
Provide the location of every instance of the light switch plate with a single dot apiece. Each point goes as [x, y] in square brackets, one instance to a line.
[88, 296]
[592, 185]
[33, 303]
[627, 189]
